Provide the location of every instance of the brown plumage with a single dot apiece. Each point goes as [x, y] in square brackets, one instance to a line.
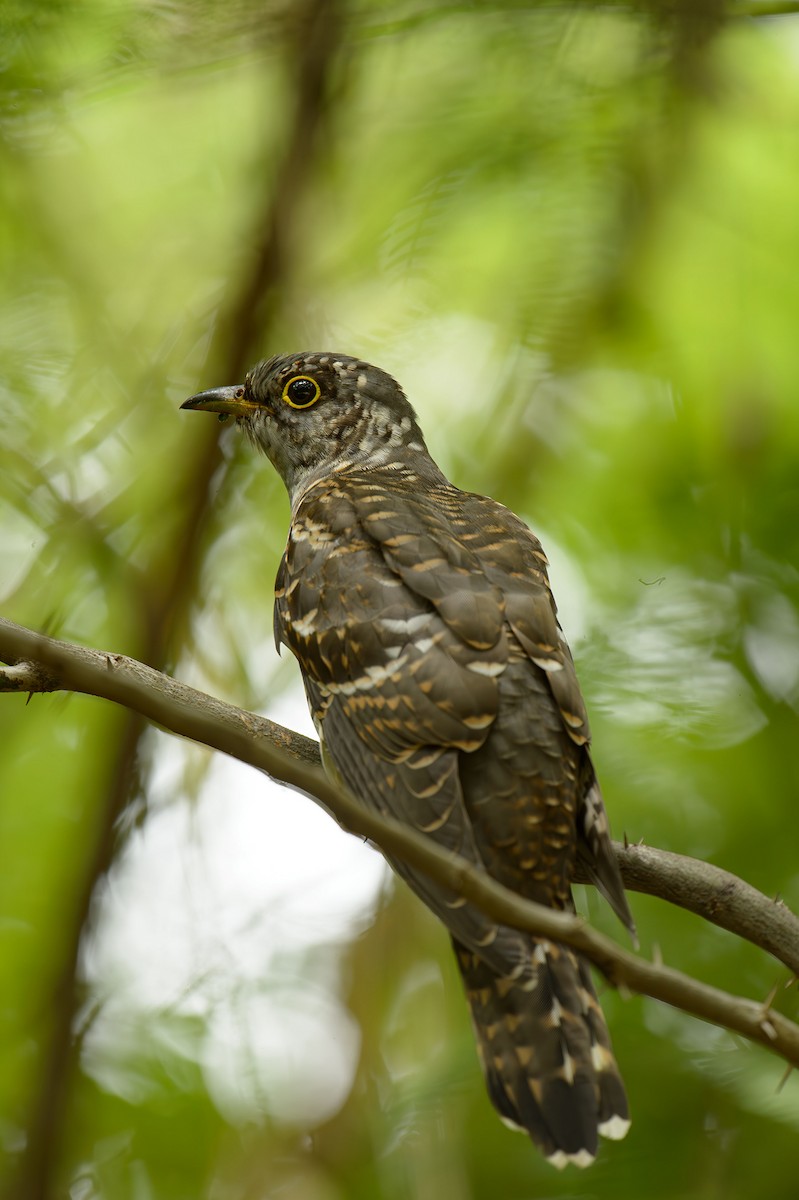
[445, 696]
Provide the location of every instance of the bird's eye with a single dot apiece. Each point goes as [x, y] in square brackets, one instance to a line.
[301, 391]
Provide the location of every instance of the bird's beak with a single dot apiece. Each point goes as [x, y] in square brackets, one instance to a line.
[228, 400]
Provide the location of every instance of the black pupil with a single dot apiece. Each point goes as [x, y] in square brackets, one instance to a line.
[302, 391]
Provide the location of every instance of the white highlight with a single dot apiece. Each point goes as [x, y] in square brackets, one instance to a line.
[408, 626]
[486, 668]
[377, 674]
[305, 625]
[548, 664]
[568, 1067]
[583, 1158]
[600, 1058]
[373, 678]
[615, 1128]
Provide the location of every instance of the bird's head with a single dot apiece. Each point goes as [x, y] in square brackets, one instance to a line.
[314, 413]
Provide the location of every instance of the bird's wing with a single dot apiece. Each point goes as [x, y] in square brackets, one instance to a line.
[389, 613]
[404, 608]
[513, 561]
[369, 601]
[421, 637]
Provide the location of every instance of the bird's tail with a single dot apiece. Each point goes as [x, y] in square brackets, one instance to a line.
[546, 1052]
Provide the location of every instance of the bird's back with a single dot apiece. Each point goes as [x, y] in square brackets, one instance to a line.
[446, 697]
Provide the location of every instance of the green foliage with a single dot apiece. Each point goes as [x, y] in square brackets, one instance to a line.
[571, 233]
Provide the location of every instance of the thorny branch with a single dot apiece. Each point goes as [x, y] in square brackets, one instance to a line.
[44, 664]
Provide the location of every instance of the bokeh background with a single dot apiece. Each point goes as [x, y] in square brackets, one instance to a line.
[572, 232]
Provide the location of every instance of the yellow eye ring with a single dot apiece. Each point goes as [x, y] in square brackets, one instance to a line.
[301, 391]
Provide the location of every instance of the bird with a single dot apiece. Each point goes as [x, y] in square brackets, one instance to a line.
[445, 696]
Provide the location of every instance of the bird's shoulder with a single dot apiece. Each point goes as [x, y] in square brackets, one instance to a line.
[389, 630]
[394, 544]
[391, 528]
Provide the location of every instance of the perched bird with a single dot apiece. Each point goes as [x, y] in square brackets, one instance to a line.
[445, 696]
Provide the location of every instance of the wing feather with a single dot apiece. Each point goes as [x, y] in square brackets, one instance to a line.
[417, 617]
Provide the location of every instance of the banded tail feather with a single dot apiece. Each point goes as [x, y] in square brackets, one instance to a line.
[546, 1053]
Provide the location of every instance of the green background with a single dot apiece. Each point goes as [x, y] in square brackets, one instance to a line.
[572, 232]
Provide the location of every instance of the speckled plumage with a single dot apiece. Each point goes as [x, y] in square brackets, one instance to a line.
[445, 696]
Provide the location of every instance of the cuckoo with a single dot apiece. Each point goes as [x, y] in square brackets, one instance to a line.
[445, 696]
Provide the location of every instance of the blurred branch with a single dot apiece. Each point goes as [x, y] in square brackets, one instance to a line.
[764, 8]
[315, 45]
[163, 595]
[429, 14]
[40, 663]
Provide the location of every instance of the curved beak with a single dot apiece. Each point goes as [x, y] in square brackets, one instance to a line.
[228, 400]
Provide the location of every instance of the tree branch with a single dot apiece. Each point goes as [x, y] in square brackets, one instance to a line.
[43, 664]
[714, 894]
